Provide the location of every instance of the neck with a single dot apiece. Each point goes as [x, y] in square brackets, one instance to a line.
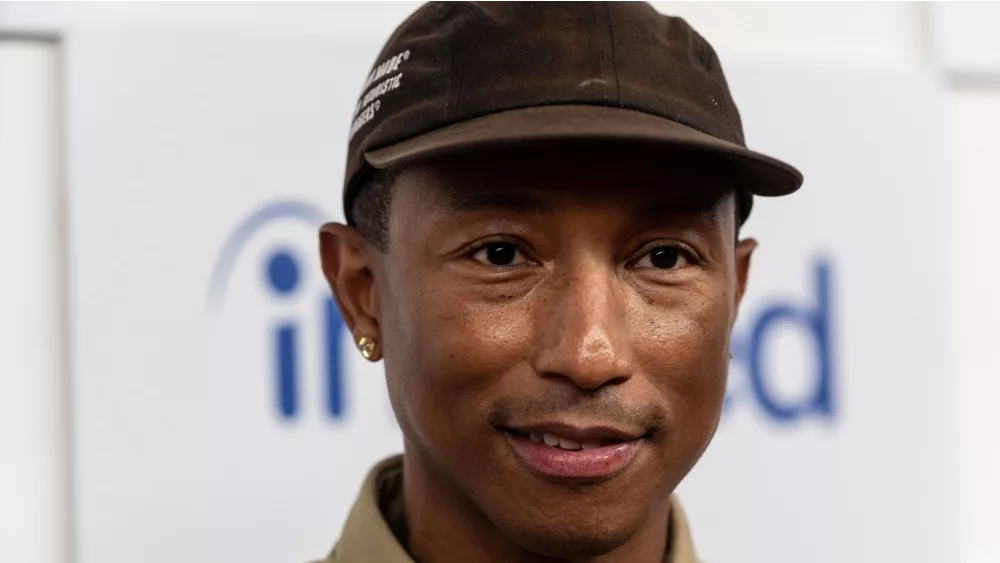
[445, 525]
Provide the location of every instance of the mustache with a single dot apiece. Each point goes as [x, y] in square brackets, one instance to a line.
[604, 405]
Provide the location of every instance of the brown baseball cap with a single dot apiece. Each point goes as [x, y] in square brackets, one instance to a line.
[461, 76]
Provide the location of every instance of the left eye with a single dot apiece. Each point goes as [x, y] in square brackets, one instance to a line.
[663, 258]
[499, 254]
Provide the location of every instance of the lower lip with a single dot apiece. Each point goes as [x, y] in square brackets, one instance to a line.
[580, 464]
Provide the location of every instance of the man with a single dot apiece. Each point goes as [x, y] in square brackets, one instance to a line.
[542, 205]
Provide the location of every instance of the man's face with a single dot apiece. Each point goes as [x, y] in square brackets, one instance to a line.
[563, 298]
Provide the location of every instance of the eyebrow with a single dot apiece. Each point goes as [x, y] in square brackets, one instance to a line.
[507, 200]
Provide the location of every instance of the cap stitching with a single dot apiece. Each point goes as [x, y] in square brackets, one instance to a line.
[705, 56]
[452, 92]
[600, 42]
[614, 62]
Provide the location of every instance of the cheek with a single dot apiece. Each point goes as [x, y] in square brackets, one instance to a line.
[683, 346]
[446, 355]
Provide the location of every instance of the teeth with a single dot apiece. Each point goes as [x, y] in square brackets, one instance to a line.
[564, 443]
[567, 444]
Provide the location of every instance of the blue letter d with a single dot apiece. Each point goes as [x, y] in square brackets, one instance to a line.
[816, 322]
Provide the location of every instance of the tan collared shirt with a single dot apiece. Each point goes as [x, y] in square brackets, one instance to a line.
[368, 538]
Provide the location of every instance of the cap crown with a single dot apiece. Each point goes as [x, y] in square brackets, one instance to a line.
[454, 61]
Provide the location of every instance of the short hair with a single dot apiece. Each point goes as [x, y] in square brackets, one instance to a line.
[371, 207]
[374, 201]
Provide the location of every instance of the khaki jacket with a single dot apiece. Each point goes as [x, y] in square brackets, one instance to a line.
[367, 537]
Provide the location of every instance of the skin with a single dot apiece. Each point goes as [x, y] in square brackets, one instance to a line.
[581, 327]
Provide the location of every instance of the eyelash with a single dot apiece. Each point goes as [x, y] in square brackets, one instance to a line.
[518, 245]
[692, 257]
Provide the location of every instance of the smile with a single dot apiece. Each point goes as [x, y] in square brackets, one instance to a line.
[575, 453]
[567, 443]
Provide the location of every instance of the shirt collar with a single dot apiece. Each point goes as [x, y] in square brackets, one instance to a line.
[368, 538]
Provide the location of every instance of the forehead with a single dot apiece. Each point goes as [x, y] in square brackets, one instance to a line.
[545, 180]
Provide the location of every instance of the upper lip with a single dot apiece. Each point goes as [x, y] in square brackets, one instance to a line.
[579, 432]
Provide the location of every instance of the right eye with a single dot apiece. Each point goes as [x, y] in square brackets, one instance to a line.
[499, 254]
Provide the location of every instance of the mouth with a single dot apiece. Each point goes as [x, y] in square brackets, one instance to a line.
[563, 451]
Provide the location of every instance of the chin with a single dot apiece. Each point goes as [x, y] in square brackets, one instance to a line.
[572, 536]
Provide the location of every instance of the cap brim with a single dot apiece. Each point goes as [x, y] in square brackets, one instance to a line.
[763, 175]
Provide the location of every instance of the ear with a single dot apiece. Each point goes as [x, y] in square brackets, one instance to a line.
[744, 251]
[346, 259]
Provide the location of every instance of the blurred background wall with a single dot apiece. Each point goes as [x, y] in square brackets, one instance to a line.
[955, 43]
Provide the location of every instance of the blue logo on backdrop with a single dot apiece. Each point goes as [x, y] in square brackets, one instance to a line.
[282, 277]
[750, 352]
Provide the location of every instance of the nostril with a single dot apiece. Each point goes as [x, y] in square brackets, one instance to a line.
[616, 381]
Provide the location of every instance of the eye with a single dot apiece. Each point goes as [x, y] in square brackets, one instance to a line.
[664, 258]
[499, 254]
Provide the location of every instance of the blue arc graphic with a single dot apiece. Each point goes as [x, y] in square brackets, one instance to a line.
[282, 210]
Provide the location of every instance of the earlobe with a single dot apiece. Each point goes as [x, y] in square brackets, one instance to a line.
[347, 267]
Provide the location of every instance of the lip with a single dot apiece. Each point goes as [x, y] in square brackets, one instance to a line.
[597, 463]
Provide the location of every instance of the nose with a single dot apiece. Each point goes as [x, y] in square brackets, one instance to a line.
[584, 333]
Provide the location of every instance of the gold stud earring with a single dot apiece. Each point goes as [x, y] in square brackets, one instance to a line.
[368, 348]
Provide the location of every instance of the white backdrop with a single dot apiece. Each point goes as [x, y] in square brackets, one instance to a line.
[198, 167]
